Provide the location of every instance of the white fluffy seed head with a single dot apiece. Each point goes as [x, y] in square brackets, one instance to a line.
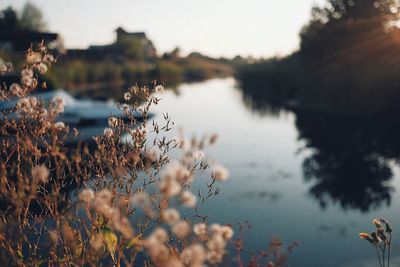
[188, 199]
[170, 216]
[108, 133]
[40, 174]
[220, 173]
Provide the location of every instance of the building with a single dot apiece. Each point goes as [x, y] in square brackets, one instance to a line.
[21, 40]
[127, 45]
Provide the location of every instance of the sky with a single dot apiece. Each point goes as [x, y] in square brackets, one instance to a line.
[259, 28]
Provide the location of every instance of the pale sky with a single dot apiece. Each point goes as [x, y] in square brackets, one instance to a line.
[213, 27]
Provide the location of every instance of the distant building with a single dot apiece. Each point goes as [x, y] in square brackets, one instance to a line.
[149, 51]
[127, 45]
[21, 40]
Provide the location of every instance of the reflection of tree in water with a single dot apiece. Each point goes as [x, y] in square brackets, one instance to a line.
[349, 163]
[257, 103]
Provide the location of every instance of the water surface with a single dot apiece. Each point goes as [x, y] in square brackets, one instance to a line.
[307, 177]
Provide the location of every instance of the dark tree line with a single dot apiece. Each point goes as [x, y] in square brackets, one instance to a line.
[29, 18]
[348, 61]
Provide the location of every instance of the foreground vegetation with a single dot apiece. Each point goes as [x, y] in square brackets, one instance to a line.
[117, 203]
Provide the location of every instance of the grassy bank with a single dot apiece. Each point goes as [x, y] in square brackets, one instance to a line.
[85, 74]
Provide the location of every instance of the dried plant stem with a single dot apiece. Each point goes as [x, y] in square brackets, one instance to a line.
[379, 256]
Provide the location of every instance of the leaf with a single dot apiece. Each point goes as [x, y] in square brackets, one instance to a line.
[19, 254]
[134, 241]
[111, 241]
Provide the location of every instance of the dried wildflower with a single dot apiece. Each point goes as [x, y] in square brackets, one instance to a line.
[381, 234]
[123, 225]
[140, 199]
[125, 109]
[16, 89]
[42, 68]
[227, 232]
[56, 105]
[127, 96]
[5, 68]
[27, 106]
[86, 195]
[159, 88]
[193, 255]
[181, 229]
[160, 234]
[170, 216]
[178, 172]
[381, 239]
[377, 223]
[388, 228]
[375, 237]
[59, 125]
[113, 122]
[220, 173]
[188, 199]
[102, 203]
[97, 241]
[40, 174]
[198, 155]
[216, 249]
[169, 186]
[108, 133]
[213, 139]
[200, 229]
[153, 153]
[27, 77]
[31, 57]
[48, 58]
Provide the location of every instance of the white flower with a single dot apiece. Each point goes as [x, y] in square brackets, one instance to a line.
[40, 173]
[140, 199]
[126, 109]
[181, 229]
[5, 67]
[193, 255]
[227, 232]
[113, 122]
[170, 216]
[27, 77]
[48, 58]
[108, 132]
[198, 155]
[159, 88]
[15, 89]
[200, 229]
[188, 199]
[86, 195]
[59, 125]
[127, 96]
[42, 68]
[220, 173]
[56, 105]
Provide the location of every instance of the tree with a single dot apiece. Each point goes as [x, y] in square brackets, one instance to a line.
[9, 19]
[32, 18]
[349, 18]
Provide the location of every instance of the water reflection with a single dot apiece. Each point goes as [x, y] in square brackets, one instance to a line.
[350, 159]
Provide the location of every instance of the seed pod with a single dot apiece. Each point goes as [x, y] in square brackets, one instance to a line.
[366, 237]
[381, 234]
[375, 237]
[388, 228]
[377, 223]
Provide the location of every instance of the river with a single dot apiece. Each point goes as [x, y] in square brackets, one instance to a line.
[306, 177]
